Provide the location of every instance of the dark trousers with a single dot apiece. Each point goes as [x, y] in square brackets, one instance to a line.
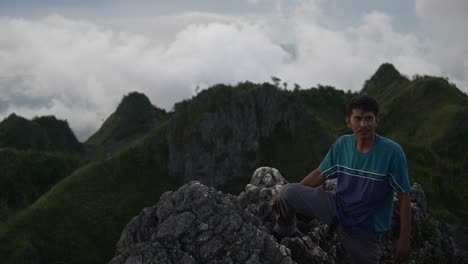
[316, 202]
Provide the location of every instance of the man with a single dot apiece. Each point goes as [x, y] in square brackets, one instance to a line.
[370, 169]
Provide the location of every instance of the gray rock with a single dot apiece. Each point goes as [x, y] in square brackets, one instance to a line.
[418, 196]
[256, 198]
[198, 224]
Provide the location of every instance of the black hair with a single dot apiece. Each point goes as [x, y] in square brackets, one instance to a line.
[364, 102]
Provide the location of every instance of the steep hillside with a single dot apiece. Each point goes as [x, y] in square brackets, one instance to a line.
[26, 175]
[41, 133]
[427, 117]
[34, 155]
[385, 83]
[79, 219]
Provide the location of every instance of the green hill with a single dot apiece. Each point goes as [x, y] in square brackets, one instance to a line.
[134, 117]
[426, 116]
[41, 133]
[34, 155]
[59, 134]
[79, 219]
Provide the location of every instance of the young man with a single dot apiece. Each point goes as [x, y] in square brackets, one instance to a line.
[370, 169]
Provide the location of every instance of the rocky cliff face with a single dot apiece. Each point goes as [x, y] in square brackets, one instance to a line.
[198, 224]
[223, 132]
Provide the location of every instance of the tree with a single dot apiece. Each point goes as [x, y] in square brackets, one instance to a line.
[276, 80]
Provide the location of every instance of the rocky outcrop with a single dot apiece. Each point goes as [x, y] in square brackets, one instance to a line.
[198, 224]
[224, 127]
[225, 132]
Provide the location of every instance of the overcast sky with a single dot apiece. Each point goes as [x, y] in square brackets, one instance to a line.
[76, 59]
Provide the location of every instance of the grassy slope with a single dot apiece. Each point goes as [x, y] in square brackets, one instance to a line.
[26, 175]
[426, 117]
[134, 116]
[80, 219]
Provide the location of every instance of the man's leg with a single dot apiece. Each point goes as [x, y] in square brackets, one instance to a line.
[365, 251]
[312, 202]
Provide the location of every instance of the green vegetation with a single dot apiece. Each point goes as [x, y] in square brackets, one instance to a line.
[134, 116]
[296, 149]
[28, 174]
[41, 133]
[80, 219]
[427, 117]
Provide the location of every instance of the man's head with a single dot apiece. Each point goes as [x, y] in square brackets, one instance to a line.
[361, 116]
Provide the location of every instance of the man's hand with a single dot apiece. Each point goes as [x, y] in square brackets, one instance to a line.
[402, 249]
[275, 204]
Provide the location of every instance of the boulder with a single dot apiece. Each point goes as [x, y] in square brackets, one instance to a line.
[198, 224]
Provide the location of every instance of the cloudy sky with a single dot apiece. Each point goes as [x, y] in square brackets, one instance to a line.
[76, 59]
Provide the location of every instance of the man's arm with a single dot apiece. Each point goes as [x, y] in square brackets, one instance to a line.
[314, 179]
[403, 244]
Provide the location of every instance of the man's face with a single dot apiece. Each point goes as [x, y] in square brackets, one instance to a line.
[363, 123]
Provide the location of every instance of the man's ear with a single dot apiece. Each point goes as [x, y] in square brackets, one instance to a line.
[347, 122]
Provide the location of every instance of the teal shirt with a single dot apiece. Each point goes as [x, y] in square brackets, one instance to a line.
[366, 184]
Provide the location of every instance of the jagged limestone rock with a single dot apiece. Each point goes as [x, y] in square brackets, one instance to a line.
[198, 224]
[256, 198]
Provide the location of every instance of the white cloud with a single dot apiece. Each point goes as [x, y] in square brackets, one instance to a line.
[445, 23]
[345, 58]
[79, 69]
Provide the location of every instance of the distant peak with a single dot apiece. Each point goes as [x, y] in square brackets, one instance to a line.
[135, 97]
[14, 116]
[387, 69]
[133, 101]
[385, 75]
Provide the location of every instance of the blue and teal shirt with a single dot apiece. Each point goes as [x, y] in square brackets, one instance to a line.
[366, 184]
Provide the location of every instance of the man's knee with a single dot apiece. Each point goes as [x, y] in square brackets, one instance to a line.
[288, 191]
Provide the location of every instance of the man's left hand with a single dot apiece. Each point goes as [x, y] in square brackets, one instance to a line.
[402, 249]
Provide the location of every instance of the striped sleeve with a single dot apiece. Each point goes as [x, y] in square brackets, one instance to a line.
[328, 166]
[398, 171]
